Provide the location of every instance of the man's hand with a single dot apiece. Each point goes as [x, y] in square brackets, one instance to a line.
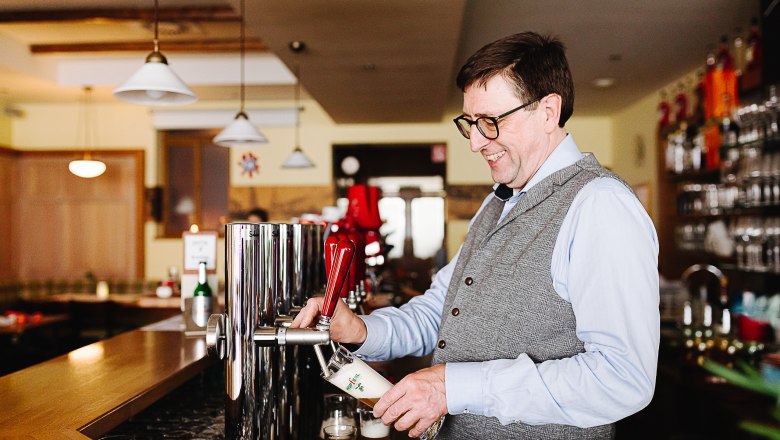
[345, 326]
[416, 402]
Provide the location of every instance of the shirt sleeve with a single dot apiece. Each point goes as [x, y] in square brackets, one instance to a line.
[413, 328]
[605, 264]
[409, 330]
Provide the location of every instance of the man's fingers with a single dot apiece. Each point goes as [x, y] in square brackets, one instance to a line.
[420, 428]
[307, 314]
[406, 421]
[387, 400]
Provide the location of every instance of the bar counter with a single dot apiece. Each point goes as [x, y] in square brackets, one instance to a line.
[87, 392]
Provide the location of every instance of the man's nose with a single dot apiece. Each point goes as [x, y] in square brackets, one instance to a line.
[476, 140]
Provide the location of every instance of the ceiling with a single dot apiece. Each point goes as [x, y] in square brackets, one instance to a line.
[366, 61]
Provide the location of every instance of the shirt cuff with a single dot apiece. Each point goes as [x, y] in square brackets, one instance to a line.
[375, 344]
[463, 382]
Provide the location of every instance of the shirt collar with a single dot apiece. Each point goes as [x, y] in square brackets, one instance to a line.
[564, 155]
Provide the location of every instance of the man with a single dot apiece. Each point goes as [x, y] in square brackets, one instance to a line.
[545, 325]
[257, 215]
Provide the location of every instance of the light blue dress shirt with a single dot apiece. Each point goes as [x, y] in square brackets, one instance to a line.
[605, 264]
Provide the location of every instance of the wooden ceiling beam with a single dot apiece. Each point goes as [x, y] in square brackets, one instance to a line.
[216, 13]
[199, 45]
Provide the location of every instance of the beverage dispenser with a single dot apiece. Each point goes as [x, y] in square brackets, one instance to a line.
[272, 384]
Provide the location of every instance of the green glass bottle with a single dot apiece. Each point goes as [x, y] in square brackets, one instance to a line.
[201, 298]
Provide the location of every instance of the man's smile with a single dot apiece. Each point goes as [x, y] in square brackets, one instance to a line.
[495, 156]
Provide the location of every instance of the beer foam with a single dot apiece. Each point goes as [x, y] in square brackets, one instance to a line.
[374, 429]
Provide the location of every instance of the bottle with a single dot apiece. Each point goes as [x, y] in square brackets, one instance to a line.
[738, 49]
[201, 298]
[680, 104]
[664, 111]
[751, 75]
[708, 85]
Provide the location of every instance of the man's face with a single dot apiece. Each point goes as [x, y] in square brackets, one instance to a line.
[520, 148]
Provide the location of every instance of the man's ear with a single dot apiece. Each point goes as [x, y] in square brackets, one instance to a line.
[551, 105]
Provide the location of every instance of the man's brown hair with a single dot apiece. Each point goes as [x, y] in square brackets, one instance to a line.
[535, 64]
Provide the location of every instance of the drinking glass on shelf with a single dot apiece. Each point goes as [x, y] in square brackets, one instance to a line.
[755, 233]
[771, 246]
[739, 241]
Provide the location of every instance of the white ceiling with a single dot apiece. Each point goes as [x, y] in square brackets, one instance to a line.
[370, 61]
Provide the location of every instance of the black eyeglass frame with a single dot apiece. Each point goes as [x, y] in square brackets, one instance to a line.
[494, 119]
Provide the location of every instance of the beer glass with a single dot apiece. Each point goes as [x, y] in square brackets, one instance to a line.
[371, 426]
[339, 432]
[339, 411]
[350, 374]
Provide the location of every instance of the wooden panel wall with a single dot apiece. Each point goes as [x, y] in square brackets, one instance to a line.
[65, 226]
[7, 161]
[463, 201]
[285, 202]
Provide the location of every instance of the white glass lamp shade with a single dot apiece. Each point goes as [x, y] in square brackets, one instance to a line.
[238, 133]
[87, 168]
[155, 84]
[298, 159]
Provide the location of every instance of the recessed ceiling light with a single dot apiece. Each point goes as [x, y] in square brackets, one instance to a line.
[603, 83]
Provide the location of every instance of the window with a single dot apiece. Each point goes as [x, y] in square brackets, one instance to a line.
[411, 177]
[195, 181]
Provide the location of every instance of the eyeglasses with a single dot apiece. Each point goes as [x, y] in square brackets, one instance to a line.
[487, 125]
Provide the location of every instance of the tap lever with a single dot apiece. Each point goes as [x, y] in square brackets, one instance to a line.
[216, 340]
[342, 259]
[269, 336]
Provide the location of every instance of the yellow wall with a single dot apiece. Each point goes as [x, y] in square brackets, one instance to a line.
[127, 126]
[5, 130]
[635, 129]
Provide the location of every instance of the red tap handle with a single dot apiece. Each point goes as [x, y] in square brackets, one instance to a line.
[345, 250]
[330, 251]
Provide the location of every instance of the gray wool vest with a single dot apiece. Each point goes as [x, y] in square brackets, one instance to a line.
[501, 301]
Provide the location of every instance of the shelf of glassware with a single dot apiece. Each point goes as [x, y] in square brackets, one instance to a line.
[745, 243]
[733, 213]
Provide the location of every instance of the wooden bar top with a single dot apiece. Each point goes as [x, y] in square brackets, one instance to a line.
[124, 299]
[89, 391]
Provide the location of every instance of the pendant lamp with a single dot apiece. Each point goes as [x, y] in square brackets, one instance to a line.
[155, 83]
[240, 132]
[87, 167]
[297, 159]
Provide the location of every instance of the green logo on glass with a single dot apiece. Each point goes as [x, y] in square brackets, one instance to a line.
[353, 383]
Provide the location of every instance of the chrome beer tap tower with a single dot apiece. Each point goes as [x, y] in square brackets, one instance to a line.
[272, 378]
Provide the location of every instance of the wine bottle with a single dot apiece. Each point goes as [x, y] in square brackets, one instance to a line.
[751, 75]
[201, 297]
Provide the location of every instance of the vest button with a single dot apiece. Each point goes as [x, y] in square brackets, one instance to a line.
[469, 281]
[442, 344]
[455, 311]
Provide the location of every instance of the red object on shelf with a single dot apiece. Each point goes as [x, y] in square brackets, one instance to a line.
[664, 112]
[364, 206]
[681, 106]
[753, 330]
[357, 270]
[712, 141]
